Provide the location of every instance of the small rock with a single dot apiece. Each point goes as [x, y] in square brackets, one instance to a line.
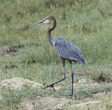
[57, 87]
[82, 81]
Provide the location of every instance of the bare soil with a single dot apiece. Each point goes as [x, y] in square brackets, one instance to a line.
[52, 103]
[6, 51]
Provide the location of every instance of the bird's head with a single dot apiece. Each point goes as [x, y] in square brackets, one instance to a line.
[46, 20]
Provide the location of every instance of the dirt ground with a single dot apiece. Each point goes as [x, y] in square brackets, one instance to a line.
[51, 103]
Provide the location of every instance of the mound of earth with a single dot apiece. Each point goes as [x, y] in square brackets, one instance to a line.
[44, 103]
[18, 83]
[53, 103]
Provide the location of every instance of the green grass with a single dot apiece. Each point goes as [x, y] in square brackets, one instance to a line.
[86, 23]
[14, 97]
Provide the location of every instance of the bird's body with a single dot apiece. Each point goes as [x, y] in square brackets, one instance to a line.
[68, 50]
[64, 48]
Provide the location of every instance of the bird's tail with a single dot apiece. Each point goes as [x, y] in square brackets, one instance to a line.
[82, 60]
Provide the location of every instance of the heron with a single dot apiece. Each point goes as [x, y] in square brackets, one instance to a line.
[64, 48]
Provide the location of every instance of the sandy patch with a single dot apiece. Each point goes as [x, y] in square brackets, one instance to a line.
[18, 83]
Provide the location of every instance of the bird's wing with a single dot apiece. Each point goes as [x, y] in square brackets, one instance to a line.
[68, 50]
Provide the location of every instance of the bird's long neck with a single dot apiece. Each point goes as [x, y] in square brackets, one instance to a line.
[51, 28]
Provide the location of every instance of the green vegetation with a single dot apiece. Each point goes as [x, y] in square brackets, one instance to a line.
[26, 52]
[14, 97]
[87, 27]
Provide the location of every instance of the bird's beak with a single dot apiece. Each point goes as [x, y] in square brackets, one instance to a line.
[41, 21]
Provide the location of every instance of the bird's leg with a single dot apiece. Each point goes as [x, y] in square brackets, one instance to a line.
[72, 78]
[52, 85]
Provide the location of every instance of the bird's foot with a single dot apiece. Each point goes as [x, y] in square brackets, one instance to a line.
[51, 85]
[71, 94]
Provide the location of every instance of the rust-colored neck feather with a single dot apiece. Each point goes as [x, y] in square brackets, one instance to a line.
[51, 28]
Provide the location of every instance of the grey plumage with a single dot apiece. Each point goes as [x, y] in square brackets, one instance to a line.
[68, 50]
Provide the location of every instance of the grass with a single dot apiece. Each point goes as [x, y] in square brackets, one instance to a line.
[27, 53]
[14, 97]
